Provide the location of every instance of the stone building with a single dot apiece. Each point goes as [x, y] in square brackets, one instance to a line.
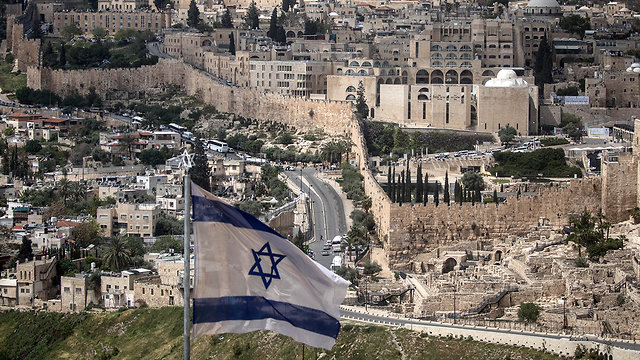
[76, 293]
[118, 290]
[296, 78]
[129, 219]
[8, 292]
[35, 280]
[111, 21]
[122, 5]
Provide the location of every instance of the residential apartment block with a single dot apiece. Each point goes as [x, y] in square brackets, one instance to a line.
[129, 219]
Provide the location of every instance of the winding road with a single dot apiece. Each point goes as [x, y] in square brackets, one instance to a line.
[328, 210]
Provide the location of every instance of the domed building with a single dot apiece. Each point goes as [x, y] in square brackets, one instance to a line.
[506, 78]
[543, 8]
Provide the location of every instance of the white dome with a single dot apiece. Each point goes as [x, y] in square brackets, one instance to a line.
[506, 78]
[506, 74]
[584, 8]
[333, 13]
[543, 4]
[635, 65]
[629, 69]
[636, 70]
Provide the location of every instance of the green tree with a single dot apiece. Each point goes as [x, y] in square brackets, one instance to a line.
[409, 187]
[273, 24]
[193, 15]
[473, 181]
[507, 134]
[87, 233]
[571, 125]
[62, 56]
[200, 172]
[544, 63]
[575, 24]
[281, 35]
[362, 109]
[232, 44]
[436, 194]
[33, 146]
[26, 251]
[393, 186]
[252, 18]
[227, 22]
[286, 4]
[425, 192]
[69, 32]
[99, 33]
[117, 257]
[49, 57]
[419, 185]
[371, 268]
[447, 199]
[152, 157]
[495, 196]
[529, 312]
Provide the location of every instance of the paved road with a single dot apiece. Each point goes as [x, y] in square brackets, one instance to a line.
[378, 318]
[154, 49]
[328, 211]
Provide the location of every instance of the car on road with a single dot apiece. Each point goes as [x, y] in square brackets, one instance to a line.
[325, 252]
[326, 247]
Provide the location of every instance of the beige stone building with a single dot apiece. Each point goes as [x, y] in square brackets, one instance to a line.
[297, 78]
[165, 288]
[128, 219]
[76, 293]
[119, 290]
[8, 292]
[111, 21]
[35, 280]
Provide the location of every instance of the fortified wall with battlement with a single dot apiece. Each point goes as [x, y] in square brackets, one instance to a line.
[406, 231]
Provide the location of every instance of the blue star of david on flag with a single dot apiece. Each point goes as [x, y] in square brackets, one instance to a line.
[257, 270]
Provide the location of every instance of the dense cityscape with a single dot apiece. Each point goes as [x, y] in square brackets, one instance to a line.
[469, 167]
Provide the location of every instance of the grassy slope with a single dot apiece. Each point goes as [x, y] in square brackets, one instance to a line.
[157, 334]
[10, 82]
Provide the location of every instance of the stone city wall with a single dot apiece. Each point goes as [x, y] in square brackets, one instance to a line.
[418, 229]
[619, 195]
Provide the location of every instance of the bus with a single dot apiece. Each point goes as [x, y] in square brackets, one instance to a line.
[178, 128]
[336, 263]
[219, 146]
[336, 243]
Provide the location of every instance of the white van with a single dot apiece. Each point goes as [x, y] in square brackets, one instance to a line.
[336, 243]
[336, 263]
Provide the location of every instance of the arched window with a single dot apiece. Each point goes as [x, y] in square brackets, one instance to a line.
[351, 89]
[423, 97]
[436, 64]
[366, 63]
[350, 72]
[363, 72]
[465, 56]
[422, 77]
[465, 48]
[436, 48]
[451, 77]
[452, 48]
[354, 63]
[451, 56]
[492, 46]
[466, 64]
[466, 77]
[488, 73]
[385, 64]
[423, 90]
[451, 64]
[351, 97]
[376, 64]
[436, 56]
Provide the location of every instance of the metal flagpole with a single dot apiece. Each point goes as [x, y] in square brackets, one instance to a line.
[187, 272]
[186, 283]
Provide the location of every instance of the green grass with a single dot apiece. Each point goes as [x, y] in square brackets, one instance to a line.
[501, 181]
[157, 334]
[10, 82]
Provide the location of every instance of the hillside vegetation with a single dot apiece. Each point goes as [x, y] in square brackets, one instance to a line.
[157, 334]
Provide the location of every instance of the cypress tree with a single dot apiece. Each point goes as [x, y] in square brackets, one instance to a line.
[501, 187]
[436, 194]
[409, 188]
[273, 24]
[495, 196]
[425, 195]
[193, 15]
[252, 18]
[227, 22]
[232, 44]
[419, 186]
[478, 196]
[403, 189]
[473, 197]
[62, 61]
[400, 186]
[200, 172]
[393, 186]
[389, 182]
[446, 188]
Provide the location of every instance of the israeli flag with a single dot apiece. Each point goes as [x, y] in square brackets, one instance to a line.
[248, 277]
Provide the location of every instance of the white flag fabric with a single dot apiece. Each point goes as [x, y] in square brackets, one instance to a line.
[248, 277]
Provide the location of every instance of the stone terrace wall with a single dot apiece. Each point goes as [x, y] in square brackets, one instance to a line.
[620, 193]
[418, 229]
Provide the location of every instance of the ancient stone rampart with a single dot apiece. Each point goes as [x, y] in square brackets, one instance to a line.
[131, 80]
[619, 194]
[418, 229]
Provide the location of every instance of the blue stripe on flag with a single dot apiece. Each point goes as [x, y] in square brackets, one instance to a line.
[246, 308]
[211, 210]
